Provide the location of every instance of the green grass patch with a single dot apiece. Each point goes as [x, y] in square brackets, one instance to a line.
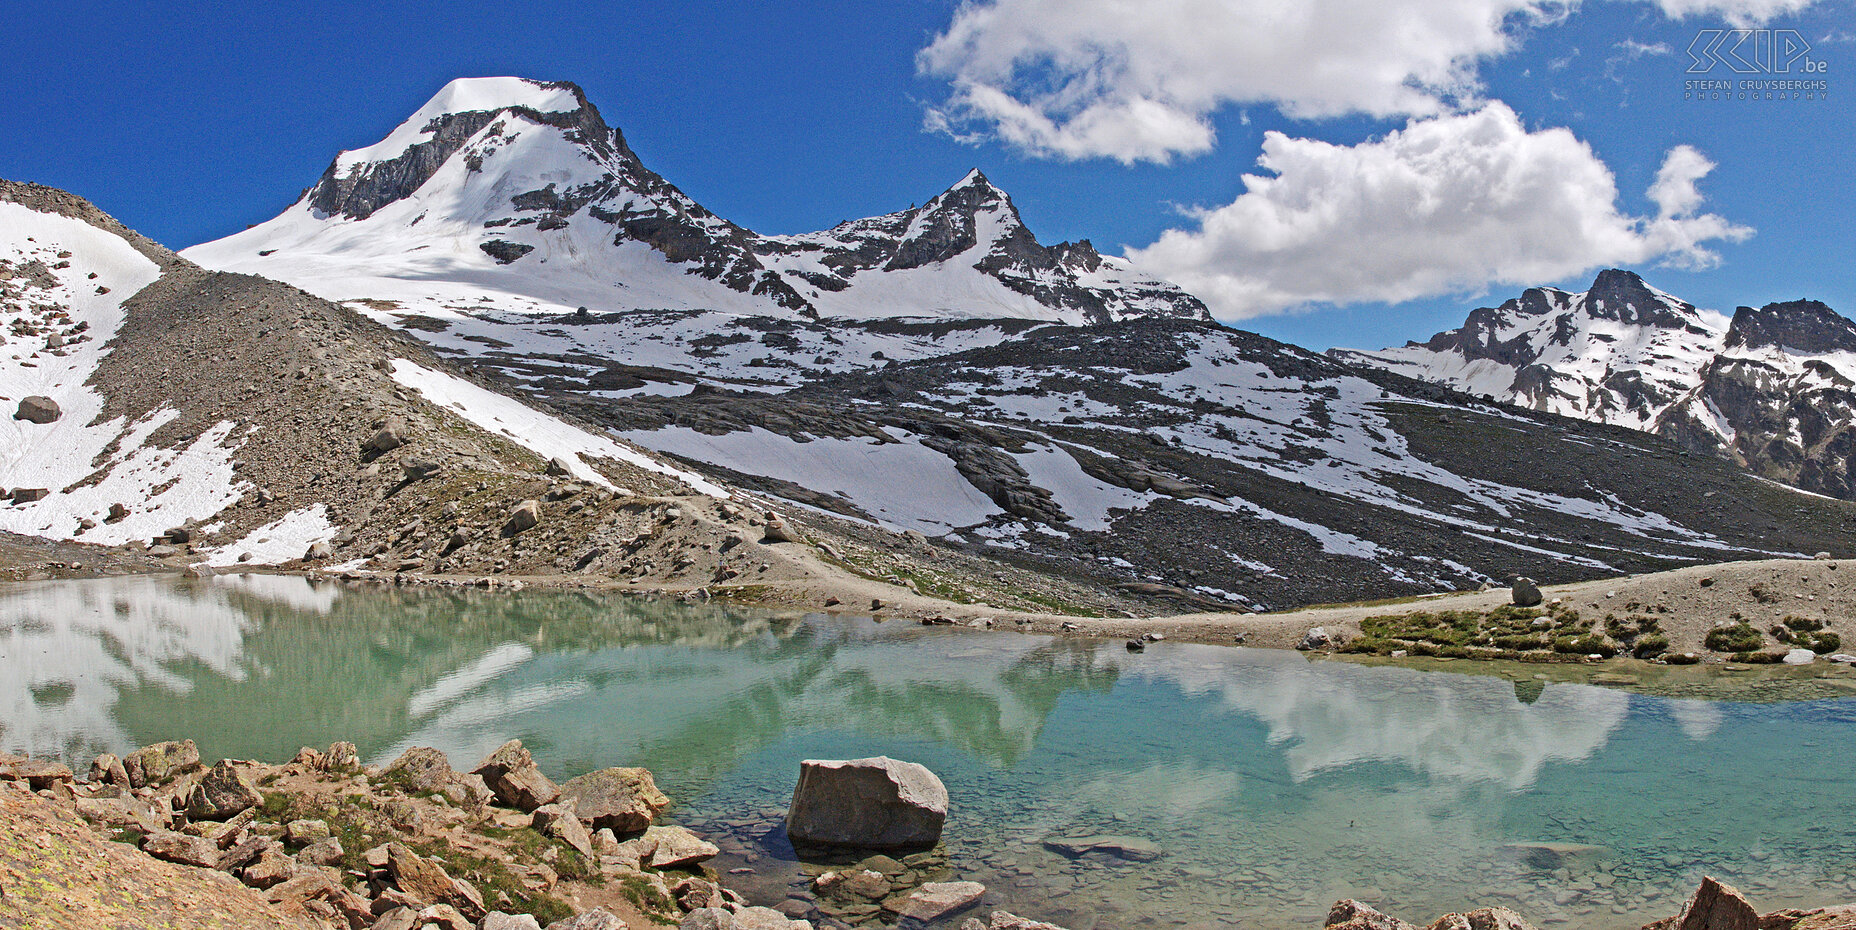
[1506, 632]
[1649, 647]
[649, 899]
[1741, 637]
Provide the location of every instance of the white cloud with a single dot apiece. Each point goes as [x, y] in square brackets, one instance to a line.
[1449, 204]
[1137, 80]
[1738, 13]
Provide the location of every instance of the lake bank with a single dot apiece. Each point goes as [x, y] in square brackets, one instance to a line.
[1272, 782]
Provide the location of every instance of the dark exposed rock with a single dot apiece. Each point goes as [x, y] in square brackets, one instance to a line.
[1806, 326]
[224, 791]
[505, 251]
[38, 409]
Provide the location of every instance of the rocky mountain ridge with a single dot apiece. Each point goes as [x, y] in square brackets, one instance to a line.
[1769, 389]
[520, 196]
[1214, 468]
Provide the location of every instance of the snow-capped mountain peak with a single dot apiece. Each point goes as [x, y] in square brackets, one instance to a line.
[1620, 352]
[503, 195]
[1773, 389]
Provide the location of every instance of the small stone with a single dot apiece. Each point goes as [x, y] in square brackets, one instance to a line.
[273, 867]
[935, 900]
[1352, 915]
[497, 920]
[779, 531]
[107, 769]
[1320, 638]
[322, 852]
[1122, 847]
[677, 847]
[420, 768]
[341, 757]
[390, 436]
[181, 848]
[874, 803]
[428, 881]
[38, 774]
[596, 919]
[561, 822]
[526, 515]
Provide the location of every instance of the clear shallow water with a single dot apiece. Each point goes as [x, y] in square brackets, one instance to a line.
[1275, 784]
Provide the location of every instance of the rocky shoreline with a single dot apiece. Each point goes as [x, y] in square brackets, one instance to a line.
[323, 841]
[1714, 906]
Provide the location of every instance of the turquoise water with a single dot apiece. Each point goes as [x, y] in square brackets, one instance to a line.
[1273, 783]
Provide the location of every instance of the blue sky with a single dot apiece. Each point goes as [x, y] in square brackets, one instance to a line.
[190, 121]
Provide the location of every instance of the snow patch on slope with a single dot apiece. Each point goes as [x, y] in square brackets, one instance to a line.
[904, 484]
[540, 433]
[1086, 500]
[280, 540]
[162, 487]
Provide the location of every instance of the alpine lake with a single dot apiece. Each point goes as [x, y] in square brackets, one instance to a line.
[1224, 786]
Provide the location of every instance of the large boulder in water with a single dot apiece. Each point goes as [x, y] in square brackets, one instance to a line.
[875, 803]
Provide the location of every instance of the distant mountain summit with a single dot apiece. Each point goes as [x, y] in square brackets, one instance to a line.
[1769, 388]
[510, 195]
[1621, 352]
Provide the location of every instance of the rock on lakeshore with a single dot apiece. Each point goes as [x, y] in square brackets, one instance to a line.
[1715, 906]
[1525, 593]
[877, 803]
[351, 846]
[623, 800]
[512, 775]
